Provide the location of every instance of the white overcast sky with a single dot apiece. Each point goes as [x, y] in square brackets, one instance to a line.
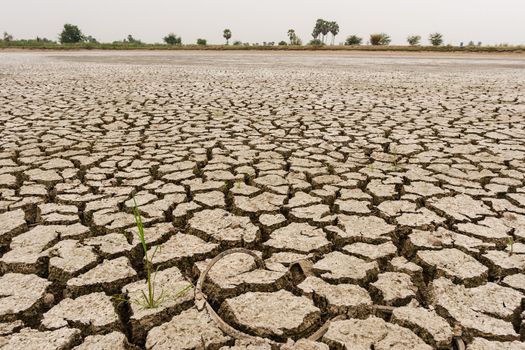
[489, 21]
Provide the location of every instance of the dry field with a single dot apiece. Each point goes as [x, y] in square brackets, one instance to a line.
[397, 181]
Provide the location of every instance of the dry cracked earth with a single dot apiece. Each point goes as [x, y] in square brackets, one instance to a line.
[397, 182]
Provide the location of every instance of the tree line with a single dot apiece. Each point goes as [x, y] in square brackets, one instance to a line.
[71, 34]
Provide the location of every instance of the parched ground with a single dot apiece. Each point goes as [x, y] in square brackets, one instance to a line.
[398, 181]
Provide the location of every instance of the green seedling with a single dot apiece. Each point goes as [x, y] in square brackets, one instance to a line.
[510, 243]
[149, 300]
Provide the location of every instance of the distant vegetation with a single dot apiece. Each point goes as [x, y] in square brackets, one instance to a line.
[414, 40]
[130, 40]
[353, 40]
[172, 39]
[381, 39]
[294, 39]
[71, 34]
[7, 37]
[324, 35]
[436, 39]
[227, 34]
[322, 28]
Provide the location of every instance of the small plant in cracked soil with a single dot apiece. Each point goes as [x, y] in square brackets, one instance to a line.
[395, 160]
[330, 168]
[149, 300]
[510, 243]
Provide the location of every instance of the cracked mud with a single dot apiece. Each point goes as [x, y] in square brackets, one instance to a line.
[399, 182]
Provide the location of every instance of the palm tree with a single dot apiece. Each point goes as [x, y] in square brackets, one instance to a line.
[334, 29]
[291, 36]
[227, 34]
[325, 28]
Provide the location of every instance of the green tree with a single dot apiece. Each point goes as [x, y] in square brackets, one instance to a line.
[227, 34]
[436, 39]
[353, 40]
[380, 39]
[334, 30]
[238, 43]
[71, 34]
[202, 42]
[414, 40]
[282, 43]
[172, 39]
[317, 28]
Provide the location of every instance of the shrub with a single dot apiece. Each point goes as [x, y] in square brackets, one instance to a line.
[414, 40]
[436, 39]
[71, 34]
[315, 42]
[353, 40]
[43, 40]
[237, 43]
[379, 39]
[282, 43]
[202, 42]
[172, 39]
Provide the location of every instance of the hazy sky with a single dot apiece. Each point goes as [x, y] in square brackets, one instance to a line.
[489, 21]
